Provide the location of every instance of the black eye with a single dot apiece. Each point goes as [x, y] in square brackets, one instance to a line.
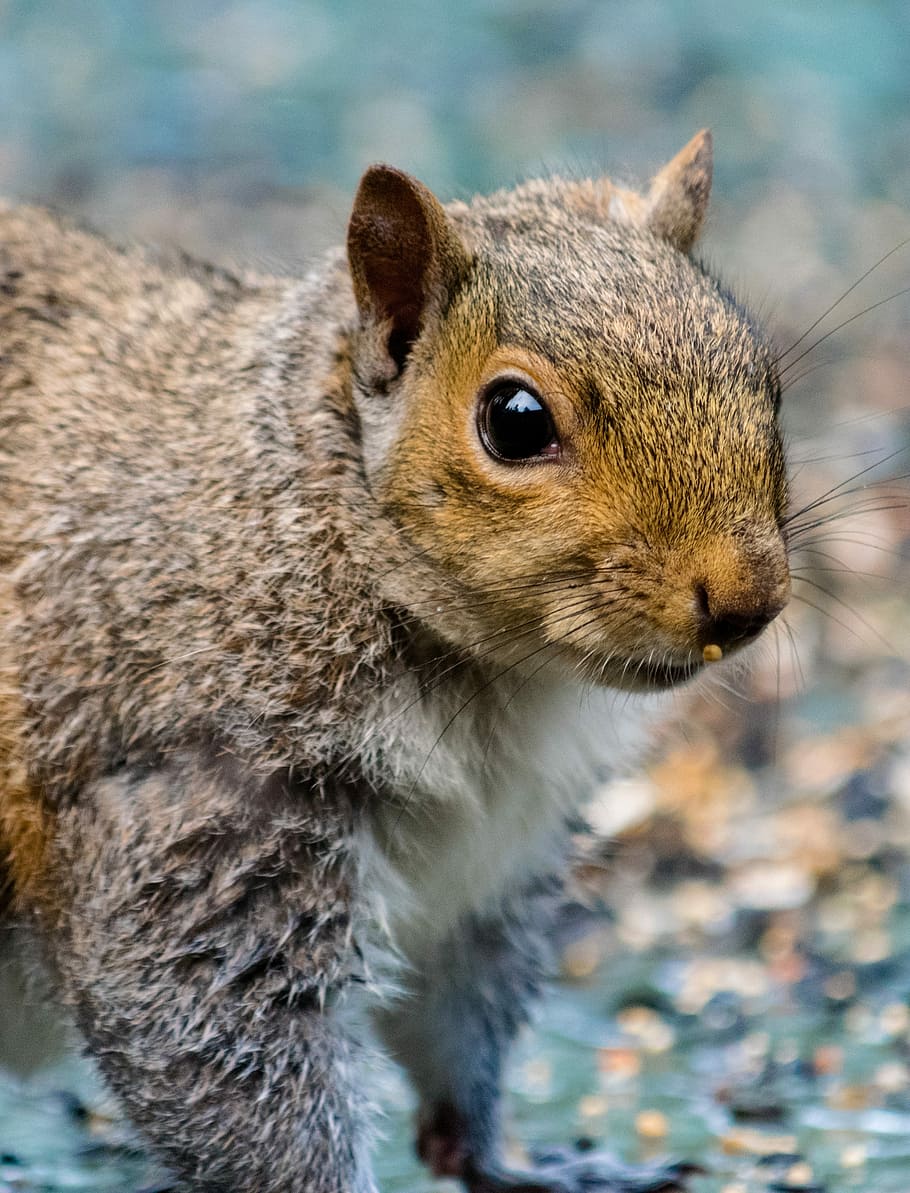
[516, 425]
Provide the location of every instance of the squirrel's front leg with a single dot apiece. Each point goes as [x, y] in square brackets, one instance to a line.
[201, 935]
[468, 996]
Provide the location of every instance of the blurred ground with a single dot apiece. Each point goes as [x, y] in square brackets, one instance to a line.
[738, 955]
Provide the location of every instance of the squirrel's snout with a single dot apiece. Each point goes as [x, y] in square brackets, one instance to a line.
[728, 624]
[736, 590]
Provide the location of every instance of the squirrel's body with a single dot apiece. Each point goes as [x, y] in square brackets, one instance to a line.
[295, 663]
[236, 618]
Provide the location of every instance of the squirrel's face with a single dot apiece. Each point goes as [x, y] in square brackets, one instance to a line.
[573, 430]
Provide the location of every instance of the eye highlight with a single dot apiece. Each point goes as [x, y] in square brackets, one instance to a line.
[515, 424]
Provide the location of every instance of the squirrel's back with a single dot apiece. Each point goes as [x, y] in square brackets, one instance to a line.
[87, 336]
[156, 568]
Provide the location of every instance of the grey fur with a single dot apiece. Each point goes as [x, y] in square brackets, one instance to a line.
[267, 729]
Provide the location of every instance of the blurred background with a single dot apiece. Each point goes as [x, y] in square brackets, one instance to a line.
[736, 951]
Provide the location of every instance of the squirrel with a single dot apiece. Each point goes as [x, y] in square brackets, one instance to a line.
[323, 605]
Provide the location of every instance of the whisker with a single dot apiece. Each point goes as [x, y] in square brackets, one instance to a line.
[464, 705]
[840, 326]
[840, 488]
[844, 605]
[862, 277]
[869, 416]
[857, 511]
[527, 679]
[554, 580]
[831, 617]
[468, 660]
[836, 457]
[875, 541]
[553, 645]
[526, 626]
[794, 652]
[775, 724]
[791, 381]
[860, 574]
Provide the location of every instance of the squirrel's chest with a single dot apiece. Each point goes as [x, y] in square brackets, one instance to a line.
[483, 798]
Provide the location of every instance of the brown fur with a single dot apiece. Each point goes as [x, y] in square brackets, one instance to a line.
[256, 561]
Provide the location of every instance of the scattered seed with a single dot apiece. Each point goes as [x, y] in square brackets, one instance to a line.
[651, 1124]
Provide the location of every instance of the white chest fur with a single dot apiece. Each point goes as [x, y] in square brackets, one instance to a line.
[483, 782]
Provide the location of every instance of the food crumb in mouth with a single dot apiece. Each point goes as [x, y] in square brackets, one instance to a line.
[712, 653]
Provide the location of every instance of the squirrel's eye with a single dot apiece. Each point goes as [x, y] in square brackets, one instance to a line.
[516, 425]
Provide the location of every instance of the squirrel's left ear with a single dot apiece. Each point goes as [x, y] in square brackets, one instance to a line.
[677, 201]
[405, 258]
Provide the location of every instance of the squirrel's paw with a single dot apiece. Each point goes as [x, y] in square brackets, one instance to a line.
[565, 1170]
[442, 1144]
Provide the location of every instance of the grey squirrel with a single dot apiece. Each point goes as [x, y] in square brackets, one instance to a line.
[301, 585]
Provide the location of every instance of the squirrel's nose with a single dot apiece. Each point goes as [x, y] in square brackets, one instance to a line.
[727, 624]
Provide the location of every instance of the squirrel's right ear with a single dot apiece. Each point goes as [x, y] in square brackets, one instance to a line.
[404, 257]
[677, 202]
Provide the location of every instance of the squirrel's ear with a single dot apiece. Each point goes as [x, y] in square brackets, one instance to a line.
[404, 257]
[676, 204]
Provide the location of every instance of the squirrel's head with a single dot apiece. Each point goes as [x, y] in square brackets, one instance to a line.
[570, 424]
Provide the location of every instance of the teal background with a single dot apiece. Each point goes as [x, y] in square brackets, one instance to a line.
[168, 117]
[280, 94]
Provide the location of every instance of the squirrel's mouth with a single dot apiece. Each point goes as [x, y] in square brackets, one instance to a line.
[668, 675]
[648, 675]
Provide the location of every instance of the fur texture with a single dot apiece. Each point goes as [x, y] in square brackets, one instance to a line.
[298, 678]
